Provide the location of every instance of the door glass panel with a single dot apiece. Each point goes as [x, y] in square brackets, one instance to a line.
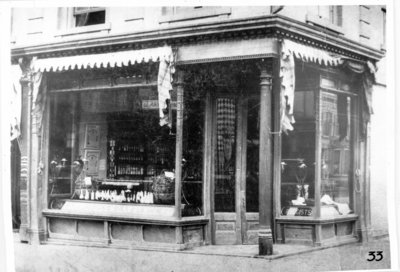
[252, 160]
[225, 155]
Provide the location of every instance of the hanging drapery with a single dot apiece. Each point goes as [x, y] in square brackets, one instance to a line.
[16, 102]
[367, 72]
[291, 50]
[164, 84]
[287, 77]
[38, 97]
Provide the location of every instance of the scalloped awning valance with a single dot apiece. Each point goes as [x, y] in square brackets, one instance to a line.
[310, 54]
[164, 55]
[291, 50]
[114, 59]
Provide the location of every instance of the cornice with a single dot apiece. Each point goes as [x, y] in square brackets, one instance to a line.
[273, 25]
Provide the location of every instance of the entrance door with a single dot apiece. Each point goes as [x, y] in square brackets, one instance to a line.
[235, 217]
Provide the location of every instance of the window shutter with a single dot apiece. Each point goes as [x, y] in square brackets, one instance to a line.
[339, 15]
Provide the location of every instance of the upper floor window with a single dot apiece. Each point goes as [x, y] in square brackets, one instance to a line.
[328, 17]
[86, 16]
[331, 13]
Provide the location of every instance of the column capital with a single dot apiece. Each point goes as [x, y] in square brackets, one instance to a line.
[266, 80]
[179, 77]
[265, 73]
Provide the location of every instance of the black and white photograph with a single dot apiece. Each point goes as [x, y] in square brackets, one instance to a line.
[199, 136]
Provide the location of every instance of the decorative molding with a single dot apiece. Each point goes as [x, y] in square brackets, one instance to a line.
[84, 30]
[272, 25]
[231, 58]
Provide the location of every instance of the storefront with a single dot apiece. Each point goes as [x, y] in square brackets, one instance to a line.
[261, 136]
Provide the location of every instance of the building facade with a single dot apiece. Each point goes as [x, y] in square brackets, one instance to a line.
[187, 126]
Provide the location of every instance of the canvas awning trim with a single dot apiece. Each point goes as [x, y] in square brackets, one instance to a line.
[114, 59]
[310, 54]
[164, 55]
[291, 50]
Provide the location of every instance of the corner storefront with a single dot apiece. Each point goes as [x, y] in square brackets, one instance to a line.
[219, 141]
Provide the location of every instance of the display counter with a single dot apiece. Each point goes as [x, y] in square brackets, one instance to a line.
[320, 231]
[124, 224]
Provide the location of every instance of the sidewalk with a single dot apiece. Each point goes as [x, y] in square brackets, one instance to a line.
[50, 257]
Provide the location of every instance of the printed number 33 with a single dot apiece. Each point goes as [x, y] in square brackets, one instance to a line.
[375, 255]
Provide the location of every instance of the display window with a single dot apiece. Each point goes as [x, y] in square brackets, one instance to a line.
[336, 154]
[109, 146]
[298, 158]
[317, 155]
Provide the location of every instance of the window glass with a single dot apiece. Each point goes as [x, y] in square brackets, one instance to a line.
[86, 16]
[336, 154]
[109, 146]
[225, 158]
[193, 150]
[298, 157]
[253, 147]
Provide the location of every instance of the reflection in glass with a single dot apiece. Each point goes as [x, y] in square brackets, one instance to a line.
[298, 157]
[253, 147]
[192, 166]
[336, 153]
[109, 146]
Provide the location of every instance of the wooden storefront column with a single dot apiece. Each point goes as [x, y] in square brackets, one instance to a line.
[208, 187]
[25, 165]
[367, 191]
[36, 172]
[265, 164]
[362, 192]
[178, 150]
[318, 164]
[240, 183]
[32, 191]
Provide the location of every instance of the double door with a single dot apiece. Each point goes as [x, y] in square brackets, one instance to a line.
[235, 178]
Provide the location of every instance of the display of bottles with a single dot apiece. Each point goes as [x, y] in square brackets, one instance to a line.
[129, 159]
[142, 196]
[130, 170]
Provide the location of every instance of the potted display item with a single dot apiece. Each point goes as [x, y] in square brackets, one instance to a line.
[164, 188]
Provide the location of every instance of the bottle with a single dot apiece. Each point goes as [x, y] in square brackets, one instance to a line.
[87, 194]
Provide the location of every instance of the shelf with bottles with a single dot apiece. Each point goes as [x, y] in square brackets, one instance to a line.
[126, 158]
[119, 191]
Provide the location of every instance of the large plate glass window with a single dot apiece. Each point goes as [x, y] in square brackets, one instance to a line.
[109, 146]
[336, 154]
